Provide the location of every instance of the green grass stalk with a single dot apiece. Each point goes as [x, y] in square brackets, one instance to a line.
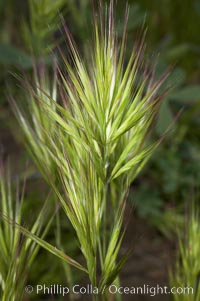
[90, 142]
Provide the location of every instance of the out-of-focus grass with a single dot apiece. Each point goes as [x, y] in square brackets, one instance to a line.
[17, 252]
[187, 268]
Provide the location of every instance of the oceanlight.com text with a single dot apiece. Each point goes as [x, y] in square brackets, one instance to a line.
[77, 289]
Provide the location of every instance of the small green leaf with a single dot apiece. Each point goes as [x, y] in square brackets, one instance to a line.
[178, 51]
[165, 118]
[10, 55]
[187, 95]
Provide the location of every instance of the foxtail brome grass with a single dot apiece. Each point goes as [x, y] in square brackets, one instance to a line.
[87, 131]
